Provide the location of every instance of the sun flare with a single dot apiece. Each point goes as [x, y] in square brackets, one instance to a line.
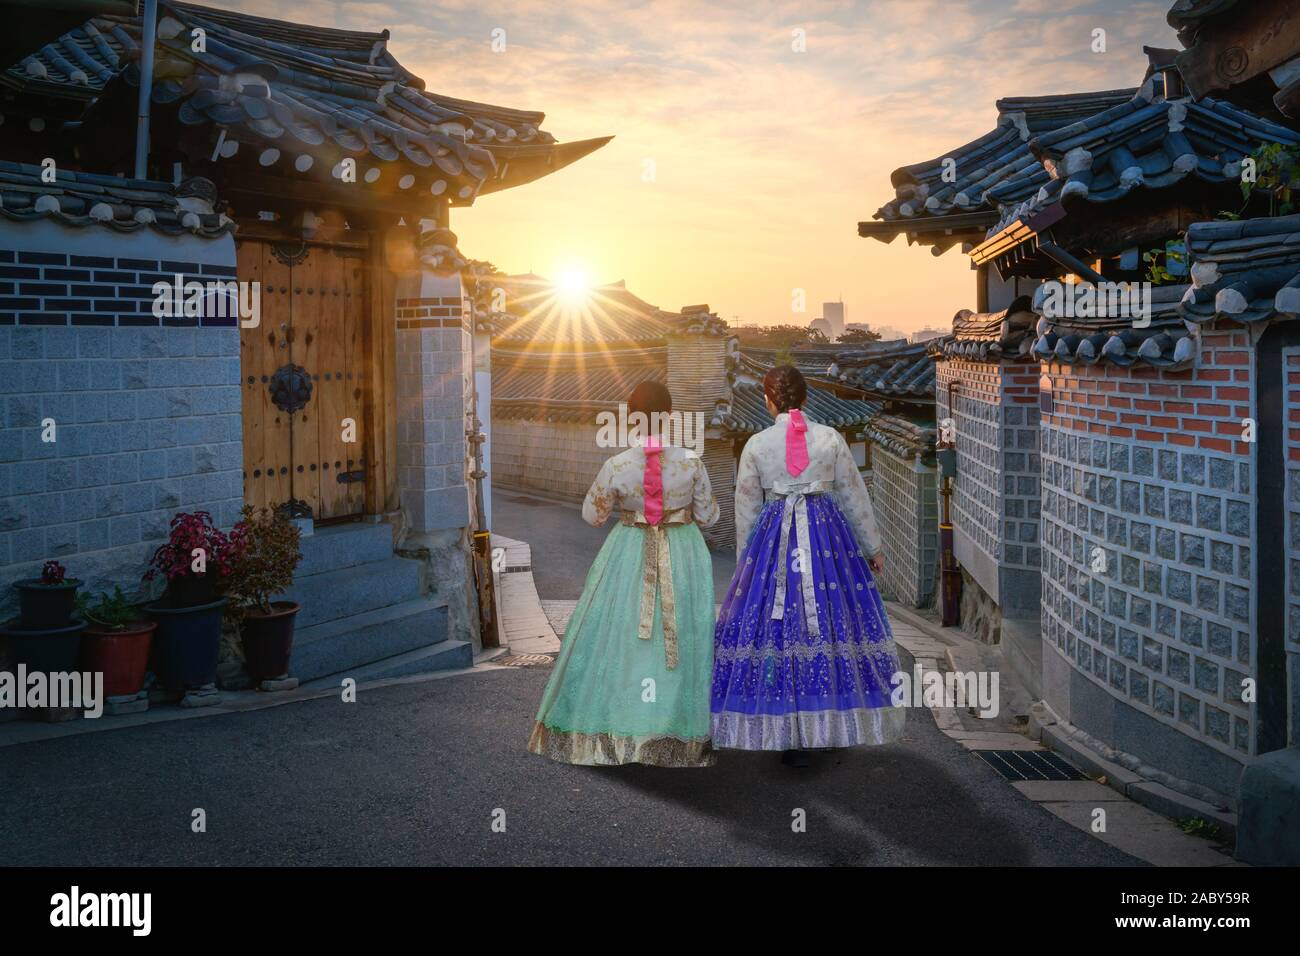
[573, 284]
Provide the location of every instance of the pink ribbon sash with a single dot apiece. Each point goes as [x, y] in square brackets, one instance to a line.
[796, 443]
[653, 481]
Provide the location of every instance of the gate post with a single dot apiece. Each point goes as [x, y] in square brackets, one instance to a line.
[434, 346]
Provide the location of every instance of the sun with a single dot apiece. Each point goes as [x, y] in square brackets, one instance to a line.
[573, 284]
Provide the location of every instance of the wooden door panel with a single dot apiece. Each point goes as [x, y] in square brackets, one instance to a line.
[327, 315]
[262, 350]
[314, 315]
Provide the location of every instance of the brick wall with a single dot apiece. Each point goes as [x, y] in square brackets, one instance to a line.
[146, 411]
[903, 494]
[1148, 534]
[996, 495]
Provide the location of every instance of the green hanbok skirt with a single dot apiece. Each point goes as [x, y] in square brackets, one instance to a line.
[613, 697]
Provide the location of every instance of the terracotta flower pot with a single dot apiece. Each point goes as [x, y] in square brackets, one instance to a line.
[268, 640]
[122, 656]
[42, 605]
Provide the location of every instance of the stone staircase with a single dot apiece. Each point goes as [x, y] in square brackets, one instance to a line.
[363, 615]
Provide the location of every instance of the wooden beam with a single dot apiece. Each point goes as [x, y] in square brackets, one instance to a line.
[1252, 39]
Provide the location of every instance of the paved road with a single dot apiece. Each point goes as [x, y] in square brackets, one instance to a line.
[411, 774]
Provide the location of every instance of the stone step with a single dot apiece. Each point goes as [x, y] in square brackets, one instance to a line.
[363, 638]
[344, 546]
[343, 592]
[444, 656]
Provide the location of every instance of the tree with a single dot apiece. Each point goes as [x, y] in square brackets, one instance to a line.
[778, 336]
[858, 337]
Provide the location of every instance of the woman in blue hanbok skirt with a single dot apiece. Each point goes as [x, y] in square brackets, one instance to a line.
[803, 652]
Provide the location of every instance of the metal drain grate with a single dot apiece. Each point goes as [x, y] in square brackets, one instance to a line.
[525, 660]
[1030, 765]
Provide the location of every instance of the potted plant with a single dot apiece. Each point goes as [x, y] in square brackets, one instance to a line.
[196, 560]
[116, 642]
[48, 601]
[265, 567]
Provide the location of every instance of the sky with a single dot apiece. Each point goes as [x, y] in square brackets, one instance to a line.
[741, 165]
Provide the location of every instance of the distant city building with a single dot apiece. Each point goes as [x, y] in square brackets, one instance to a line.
[924, 335]
[833, 313]
[825, 327]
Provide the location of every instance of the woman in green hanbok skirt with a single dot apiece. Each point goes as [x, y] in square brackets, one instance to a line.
[631, 683]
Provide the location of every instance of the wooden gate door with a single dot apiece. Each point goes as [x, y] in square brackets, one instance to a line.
[302, 373]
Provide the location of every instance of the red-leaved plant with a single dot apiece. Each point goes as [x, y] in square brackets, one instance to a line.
[53, 573]
[190, 532]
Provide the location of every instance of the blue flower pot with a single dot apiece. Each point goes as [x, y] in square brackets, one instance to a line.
[187, 644]
[50, 650]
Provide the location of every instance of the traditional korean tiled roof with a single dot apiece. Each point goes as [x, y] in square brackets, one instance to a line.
[924, 202]
[1188, 16]
[748, 412]
[903, 436]
[1245, 271]
[894, 369]
[570, 387]
[304, 96]
[988, 336]
[124, 205]
[897, 369]
[537, 312]
[1147, 142]
[1166, 342]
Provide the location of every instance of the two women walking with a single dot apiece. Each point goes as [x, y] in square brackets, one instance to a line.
[801, 654]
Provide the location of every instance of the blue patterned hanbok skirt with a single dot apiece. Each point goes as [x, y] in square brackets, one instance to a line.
[776, 684]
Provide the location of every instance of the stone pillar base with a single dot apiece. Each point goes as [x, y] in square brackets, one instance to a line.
[1268, 810]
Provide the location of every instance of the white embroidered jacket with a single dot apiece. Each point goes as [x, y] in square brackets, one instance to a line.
[762, 465]
[619, 482]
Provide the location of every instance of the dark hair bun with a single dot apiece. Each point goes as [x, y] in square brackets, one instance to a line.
[786, 388]
[650, 397]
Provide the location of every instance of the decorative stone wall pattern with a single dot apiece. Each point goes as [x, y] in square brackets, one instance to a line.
[434, 354]
[146, 411]
[557, 458]
[1148, 534]
[561, 459]
[1291, 371]
[996, 496]
[904, 498]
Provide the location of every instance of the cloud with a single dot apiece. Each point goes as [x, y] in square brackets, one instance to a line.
[766, 158]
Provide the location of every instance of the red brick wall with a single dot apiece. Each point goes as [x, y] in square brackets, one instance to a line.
[1198, 408]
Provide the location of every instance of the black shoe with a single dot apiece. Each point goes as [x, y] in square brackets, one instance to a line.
[795, 758]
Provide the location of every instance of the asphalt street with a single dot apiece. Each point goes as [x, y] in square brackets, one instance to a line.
[415, 774]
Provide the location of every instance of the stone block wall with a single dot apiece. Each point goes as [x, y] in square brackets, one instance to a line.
[903, 494]
[561, 459]
[1291, 373]
[996, 496]
[1149, 540]
[434, 355]
[145, 412]
[557, 458]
